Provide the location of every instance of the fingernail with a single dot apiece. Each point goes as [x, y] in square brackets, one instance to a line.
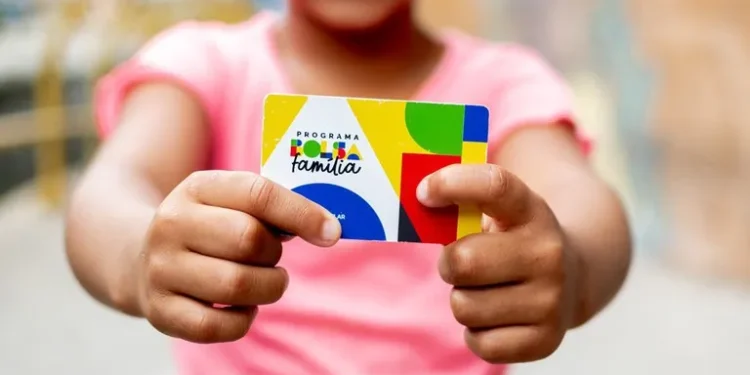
[423, 194]
[331, 230]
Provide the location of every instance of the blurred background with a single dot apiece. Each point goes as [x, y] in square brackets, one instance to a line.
[661, 84]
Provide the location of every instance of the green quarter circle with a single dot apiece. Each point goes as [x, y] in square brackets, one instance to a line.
[438, 128]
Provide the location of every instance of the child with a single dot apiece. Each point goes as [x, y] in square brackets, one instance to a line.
[170, 222]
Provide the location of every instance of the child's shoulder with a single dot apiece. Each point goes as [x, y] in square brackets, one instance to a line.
[513, 81]
[199, 57]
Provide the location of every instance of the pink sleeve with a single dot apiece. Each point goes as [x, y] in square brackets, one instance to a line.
[185, 55]
[531, 93]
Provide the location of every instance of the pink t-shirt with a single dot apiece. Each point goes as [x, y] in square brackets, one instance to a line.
[359, 308]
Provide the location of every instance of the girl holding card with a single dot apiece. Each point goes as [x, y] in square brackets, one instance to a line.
[172, 223]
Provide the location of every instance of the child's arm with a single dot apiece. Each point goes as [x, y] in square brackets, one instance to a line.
[161, 138]
[156, 135]
[555, 246]
[548, 159]
[553, 252]
[151, 235]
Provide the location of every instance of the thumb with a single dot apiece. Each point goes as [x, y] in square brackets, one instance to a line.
[495, 191]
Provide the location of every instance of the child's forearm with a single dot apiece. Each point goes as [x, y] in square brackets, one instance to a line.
[160, 138]
[107, 221]
[549, 161]
[598, 236]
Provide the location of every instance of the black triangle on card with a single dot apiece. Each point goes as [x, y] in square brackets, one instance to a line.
[406, 231]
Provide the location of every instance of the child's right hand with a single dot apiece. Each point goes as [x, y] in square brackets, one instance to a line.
[211, 243]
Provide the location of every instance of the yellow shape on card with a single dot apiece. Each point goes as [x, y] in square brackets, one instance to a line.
[280, 112]
[384, 125]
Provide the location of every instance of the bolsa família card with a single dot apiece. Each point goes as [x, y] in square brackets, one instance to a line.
[362, 159]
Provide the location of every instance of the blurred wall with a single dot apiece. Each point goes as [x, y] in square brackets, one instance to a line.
[700, 51]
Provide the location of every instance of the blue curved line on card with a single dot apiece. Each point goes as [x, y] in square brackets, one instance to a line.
[358, 219]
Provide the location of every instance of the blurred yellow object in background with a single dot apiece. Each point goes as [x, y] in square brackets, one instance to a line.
[114, 21]
[49, 111]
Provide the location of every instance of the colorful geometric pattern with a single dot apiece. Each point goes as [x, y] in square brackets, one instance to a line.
[362, 159]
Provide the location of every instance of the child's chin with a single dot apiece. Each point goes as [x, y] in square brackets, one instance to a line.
[355, 15]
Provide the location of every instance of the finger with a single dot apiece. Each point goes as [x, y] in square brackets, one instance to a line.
[485, 259]
[513, 344]
[267, 201]
[497, 192]
[231, 235]
[222, 282]
[183, 318]
[499, 307]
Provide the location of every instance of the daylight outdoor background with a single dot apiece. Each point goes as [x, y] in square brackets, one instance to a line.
[661, 84]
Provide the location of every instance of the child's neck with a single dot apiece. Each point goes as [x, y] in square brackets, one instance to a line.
[391, 60]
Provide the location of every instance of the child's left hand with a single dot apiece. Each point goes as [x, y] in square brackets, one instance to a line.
[515, 283]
